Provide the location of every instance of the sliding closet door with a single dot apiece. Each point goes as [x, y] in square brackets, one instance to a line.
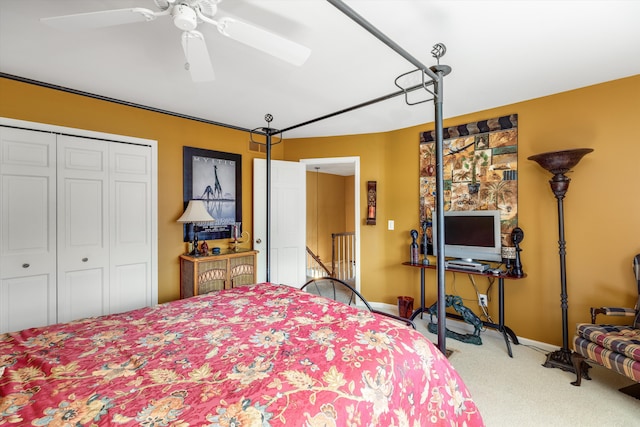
[27, 229]
[83, 228]
[130, 225]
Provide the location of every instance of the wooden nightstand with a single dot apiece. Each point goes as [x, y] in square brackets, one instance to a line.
[202, 274]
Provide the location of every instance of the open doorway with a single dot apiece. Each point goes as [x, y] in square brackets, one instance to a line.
[325, 178]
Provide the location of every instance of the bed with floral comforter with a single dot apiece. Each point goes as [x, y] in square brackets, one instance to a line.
[262, 355]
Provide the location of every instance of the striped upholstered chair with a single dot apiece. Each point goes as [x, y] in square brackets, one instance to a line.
[614, 347]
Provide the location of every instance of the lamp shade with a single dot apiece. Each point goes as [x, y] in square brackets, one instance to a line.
[196, 212]
[560, 162]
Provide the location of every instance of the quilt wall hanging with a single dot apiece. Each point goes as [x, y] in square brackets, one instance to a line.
[480, 170]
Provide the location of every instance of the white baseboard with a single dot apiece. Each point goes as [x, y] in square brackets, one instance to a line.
[463, 327]
[384, 307]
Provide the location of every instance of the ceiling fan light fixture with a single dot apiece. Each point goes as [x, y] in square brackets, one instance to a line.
[184, 17]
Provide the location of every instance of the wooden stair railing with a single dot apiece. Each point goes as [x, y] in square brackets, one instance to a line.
[343, 255]
[343, 258]
[315, 267]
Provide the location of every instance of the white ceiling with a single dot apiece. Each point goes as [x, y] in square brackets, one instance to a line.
[327, 166]
[500, 52]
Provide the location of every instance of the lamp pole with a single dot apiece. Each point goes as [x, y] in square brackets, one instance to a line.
[559, 163]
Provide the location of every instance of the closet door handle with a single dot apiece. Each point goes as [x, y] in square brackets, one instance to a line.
[25, 265]
[85, 259]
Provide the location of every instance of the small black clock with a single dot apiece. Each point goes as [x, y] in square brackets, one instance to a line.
[517, 235]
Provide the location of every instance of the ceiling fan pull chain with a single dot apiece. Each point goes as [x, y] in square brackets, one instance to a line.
[186, 56]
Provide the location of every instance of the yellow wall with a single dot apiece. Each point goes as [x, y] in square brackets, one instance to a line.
[349, 203]
[601, 207]
[330, 207]
[28, 102]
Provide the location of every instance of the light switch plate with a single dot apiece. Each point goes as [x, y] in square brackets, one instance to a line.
[391, 224]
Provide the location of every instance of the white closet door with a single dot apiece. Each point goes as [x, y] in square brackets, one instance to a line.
[83, 228]
[130, 225]
[27, 229]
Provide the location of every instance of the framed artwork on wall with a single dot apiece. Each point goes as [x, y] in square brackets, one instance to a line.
[215, 178]
[480, 170]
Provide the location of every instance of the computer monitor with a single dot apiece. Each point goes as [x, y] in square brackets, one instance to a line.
[470, 235]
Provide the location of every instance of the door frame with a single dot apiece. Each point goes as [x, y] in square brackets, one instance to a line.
[355, 162]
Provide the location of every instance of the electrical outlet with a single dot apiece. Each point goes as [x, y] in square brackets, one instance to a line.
[482, 300]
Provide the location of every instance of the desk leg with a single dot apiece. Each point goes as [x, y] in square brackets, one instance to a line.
[506, 331]
[422, 308]
[422, 290]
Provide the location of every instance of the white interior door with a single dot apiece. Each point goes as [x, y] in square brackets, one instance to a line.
[27, 229]
[288, 221]
[83, 228]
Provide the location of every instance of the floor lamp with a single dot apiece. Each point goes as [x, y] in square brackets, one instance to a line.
[559, 163]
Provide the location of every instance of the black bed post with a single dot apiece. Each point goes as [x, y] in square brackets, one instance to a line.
[268, 133]
[437, 100]
[268, 245]
[435, 73]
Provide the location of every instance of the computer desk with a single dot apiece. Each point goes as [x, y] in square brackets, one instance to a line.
[500, 326]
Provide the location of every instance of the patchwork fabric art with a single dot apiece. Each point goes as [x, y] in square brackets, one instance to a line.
[480, 170]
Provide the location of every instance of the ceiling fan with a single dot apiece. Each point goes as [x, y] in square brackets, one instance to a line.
[187, 14]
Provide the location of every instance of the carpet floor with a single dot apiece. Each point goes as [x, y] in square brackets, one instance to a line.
[519, 391]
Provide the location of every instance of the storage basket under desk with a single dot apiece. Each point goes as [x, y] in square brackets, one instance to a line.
[202, 274]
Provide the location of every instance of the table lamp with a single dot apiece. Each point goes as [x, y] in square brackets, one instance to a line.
[196, 213]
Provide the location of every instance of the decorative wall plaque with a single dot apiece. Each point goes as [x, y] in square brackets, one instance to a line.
[371, 202]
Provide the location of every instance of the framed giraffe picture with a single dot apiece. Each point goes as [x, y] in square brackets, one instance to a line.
[215, 178]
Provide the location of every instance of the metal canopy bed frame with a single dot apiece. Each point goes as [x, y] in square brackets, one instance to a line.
[434, 77]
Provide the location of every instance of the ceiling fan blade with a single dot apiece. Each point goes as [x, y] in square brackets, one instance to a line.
[264, 40]
[105, 18]
[197, 56]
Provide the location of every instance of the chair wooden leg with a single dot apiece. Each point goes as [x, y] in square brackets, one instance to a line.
[632, 390]
[581, 367]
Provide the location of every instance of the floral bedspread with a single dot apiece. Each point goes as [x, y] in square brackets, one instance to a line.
[263, 355]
